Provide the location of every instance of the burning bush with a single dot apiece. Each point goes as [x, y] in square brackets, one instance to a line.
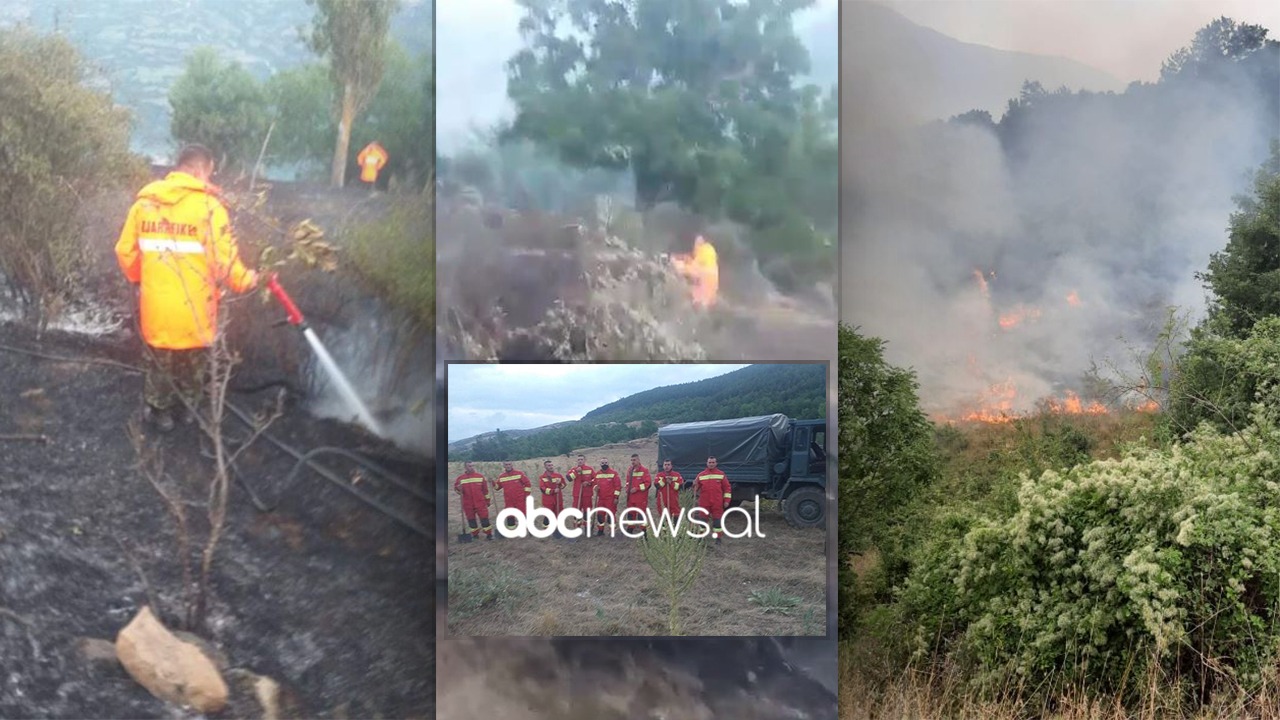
[1166, 561]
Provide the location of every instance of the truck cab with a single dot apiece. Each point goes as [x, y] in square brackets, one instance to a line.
[771, 457]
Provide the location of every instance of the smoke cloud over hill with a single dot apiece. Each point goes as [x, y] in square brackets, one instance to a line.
[1001, 259]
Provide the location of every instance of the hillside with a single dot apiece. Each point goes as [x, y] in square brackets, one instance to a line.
[139, 46]
[794, 390]
[892, 64]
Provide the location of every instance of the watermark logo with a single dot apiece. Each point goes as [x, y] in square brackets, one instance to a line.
[541, 523]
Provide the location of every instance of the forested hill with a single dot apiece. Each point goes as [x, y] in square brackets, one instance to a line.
[798, 391]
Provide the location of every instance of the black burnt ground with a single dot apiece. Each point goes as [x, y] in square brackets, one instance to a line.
[323, 594]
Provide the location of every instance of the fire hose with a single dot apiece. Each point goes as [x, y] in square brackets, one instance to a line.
[301, 459]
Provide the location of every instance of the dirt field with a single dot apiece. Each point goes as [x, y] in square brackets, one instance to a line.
[772, 585]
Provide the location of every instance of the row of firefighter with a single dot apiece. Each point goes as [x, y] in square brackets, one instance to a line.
[586, 488]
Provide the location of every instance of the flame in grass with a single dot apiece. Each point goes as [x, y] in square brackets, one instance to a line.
[1073, 299]
[702, 268]
[1010, 320]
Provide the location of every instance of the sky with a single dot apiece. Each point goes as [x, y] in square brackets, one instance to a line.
[484, 398]
[474, 40]
[1127, 38]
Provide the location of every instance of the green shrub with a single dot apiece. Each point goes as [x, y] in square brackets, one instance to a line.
[1164, 556]
[61, 144]
[396, 255]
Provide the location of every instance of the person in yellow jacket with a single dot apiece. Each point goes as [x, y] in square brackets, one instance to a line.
[371, 161]
[177, 247]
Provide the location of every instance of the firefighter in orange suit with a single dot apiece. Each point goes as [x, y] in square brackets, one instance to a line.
[714, 494]
[515, 487]
[474, 489]
[177, 247]
[608, 490]
[638, 485]
[583, 478]
[668, 483]
[371, 160]
[551, 483]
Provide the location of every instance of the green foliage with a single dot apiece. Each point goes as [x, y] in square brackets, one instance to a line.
[797, 391]
[1169, 556]
[1220, 378]
[219, 104]
[61, 143]
[352, 36]
[400, 117]
[886, 456]
[1220, 42]
[676, 559]
[773, 600]
[302, 98]
[1244, 278]
[698, 101]
[396, 255]
[552, 442]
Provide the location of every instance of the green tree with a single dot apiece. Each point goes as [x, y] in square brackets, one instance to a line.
[352, 36]
[1244, 278]
[402, 117]
[886, 455]
[1222, 41]
[303, 100]
[61, 143]
[686, 95]
[219, 104]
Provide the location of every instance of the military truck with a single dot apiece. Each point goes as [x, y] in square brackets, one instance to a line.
[770, 456]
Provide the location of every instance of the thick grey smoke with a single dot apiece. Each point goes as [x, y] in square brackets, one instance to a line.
[1090, 216]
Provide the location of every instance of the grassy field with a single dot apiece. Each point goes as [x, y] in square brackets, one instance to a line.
[772, 585]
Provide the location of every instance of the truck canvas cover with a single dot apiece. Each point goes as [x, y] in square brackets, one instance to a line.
[745, 448]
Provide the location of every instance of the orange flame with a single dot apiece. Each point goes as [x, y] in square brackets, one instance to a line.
[1073, 299]
[702, 268]
[996, 406]
[1011, 320]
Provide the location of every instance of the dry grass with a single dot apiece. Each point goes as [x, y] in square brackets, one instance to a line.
[772, 585]
[943, 692]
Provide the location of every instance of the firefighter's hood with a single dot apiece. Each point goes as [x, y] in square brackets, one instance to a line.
[174, 187]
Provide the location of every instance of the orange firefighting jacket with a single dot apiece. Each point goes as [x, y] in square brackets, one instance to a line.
[713, 489]
[371, 159]
[177, 246]
[638, 484]
[668, 484]
[472, 486]
[551, 483]
[515, 488]
[608, 488]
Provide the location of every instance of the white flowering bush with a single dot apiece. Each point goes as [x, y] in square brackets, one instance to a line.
[1162, 556]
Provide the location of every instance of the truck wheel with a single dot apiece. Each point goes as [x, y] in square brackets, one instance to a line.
[806, 507]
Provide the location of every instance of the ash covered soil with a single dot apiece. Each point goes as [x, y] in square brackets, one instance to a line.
[323, 594]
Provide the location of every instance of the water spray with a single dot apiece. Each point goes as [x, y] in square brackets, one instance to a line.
[294, 317]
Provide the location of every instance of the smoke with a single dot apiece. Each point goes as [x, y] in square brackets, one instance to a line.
[1086, 216]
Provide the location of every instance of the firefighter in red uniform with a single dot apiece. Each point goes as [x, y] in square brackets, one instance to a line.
[515, 487]
[638, 484]
[714, 493]
[583, 479]
[474, 490]
[551, 483]
[608, 490]
[668, 483]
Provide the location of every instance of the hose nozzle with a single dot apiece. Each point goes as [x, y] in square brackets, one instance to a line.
[292, 312]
